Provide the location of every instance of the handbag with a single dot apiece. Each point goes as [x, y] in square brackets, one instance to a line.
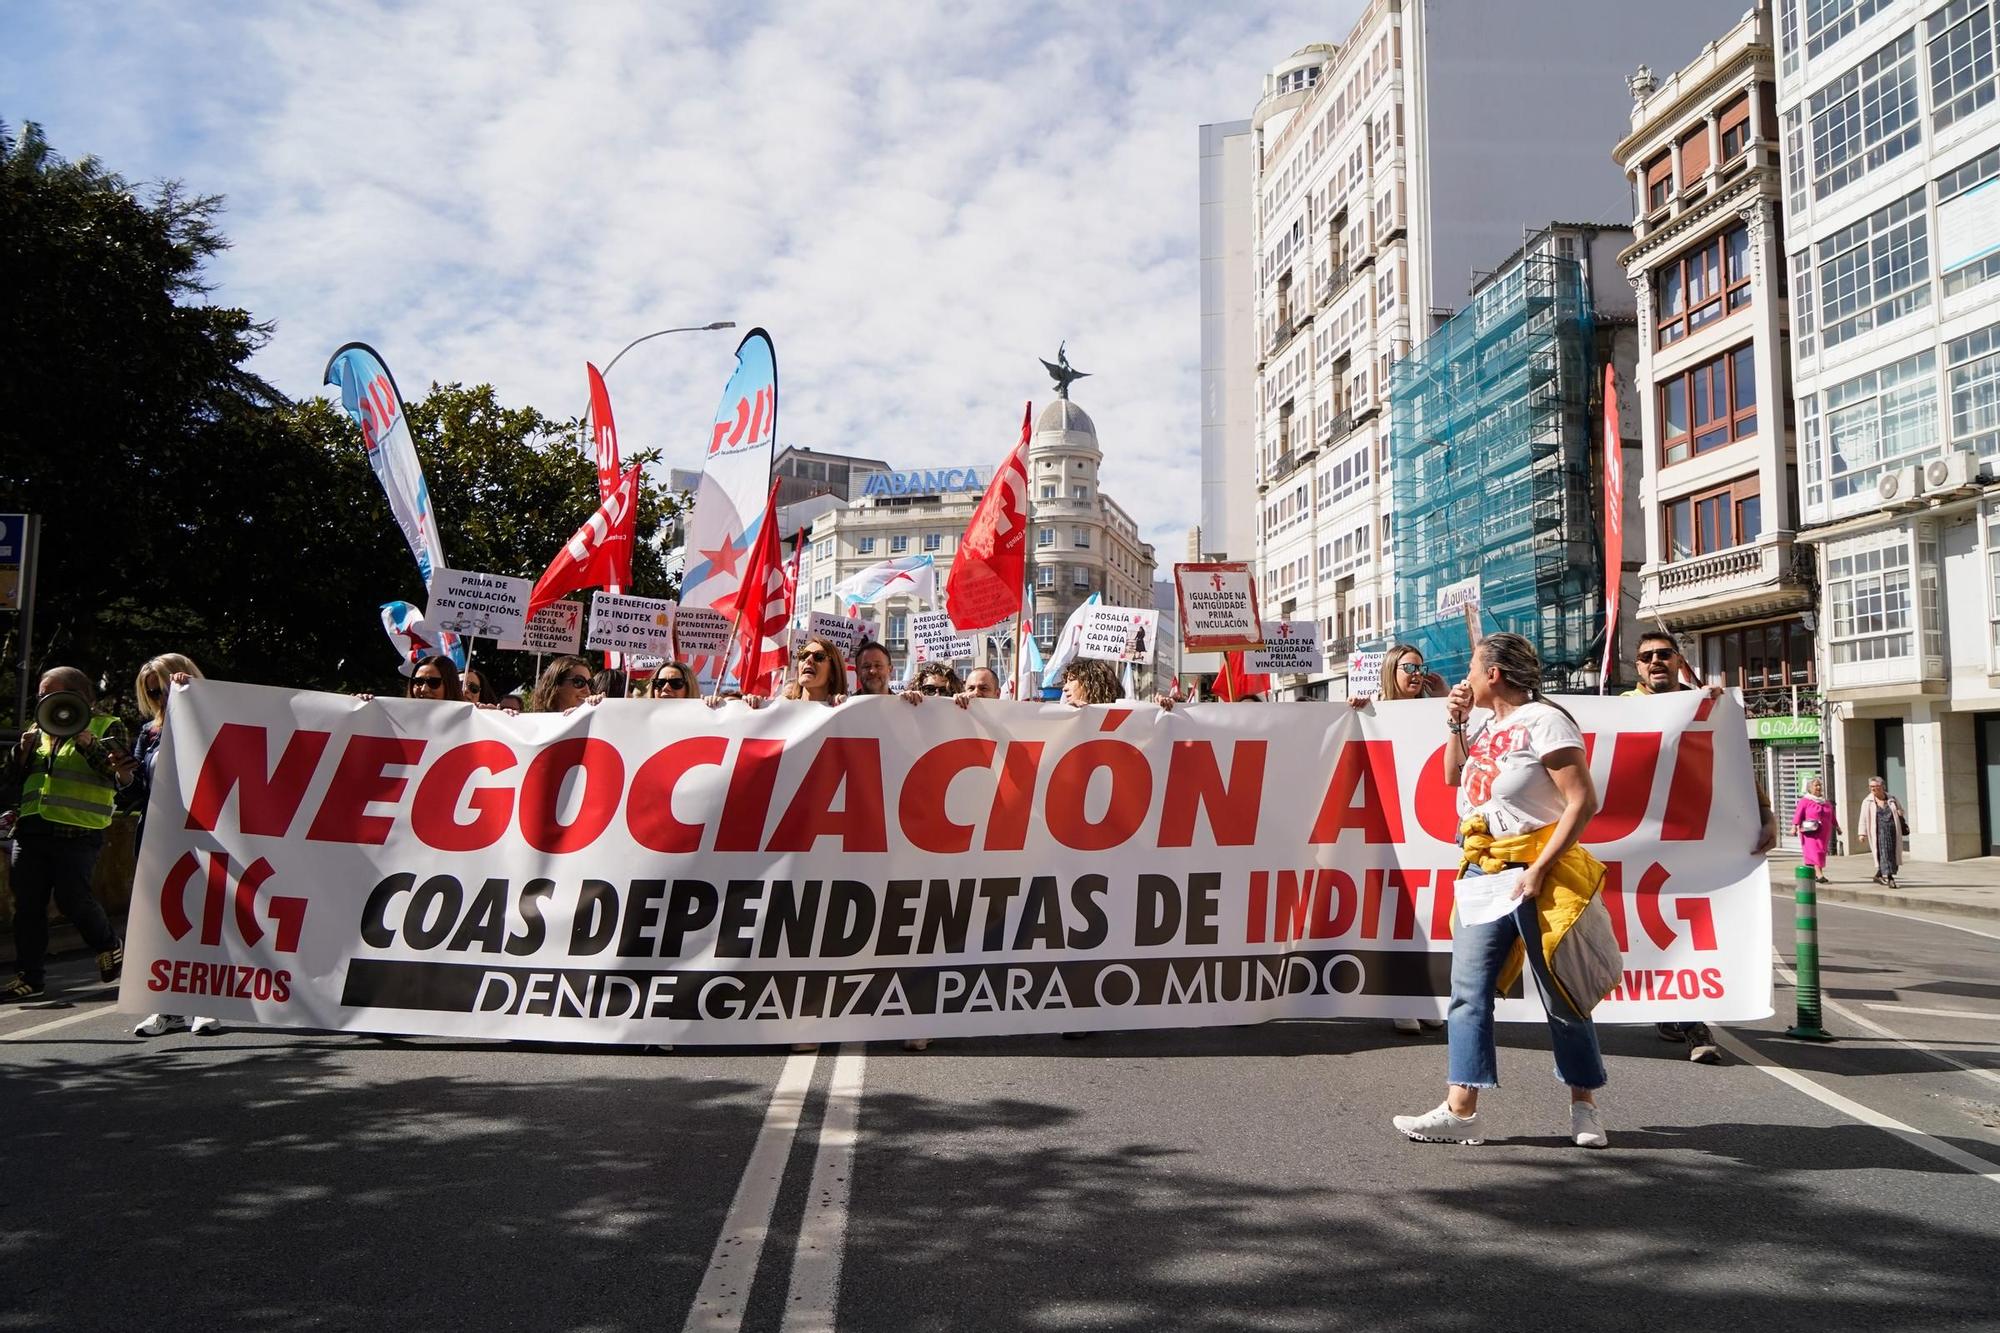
[1808, 826]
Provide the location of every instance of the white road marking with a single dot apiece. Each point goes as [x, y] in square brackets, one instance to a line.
[1862, 1020]
[1900, 916]
[815, 1290]
[725, 1289]
[53, 1024]
[1938, 1013]
[1916, 1138]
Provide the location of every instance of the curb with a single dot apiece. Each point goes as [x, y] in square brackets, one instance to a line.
[1910, 902]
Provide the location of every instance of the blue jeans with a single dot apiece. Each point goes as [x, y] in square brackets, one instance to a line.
[1477, 954]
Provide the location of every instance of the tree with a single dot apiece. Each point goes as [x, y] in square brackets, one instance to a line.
[187, 506]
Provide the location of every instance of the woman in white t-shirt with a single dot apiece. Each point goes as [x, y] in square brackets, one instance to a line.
[1518, 761]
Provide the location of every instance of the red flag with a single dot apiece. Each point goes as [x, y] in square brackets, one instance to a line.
[1234, 683]
[984, 586]
[1614, 521]
[758, 608]
[598, 552]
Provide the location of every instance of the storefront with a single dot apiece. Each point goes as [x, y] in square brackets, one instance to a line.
[1785, 755]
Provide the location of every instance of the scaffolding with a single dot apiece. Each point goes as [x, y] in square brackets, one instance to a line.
[1490, 455]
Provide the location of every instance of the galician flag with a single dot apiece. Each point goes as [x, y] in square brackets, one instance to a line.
[1066, 642]
[903, 576]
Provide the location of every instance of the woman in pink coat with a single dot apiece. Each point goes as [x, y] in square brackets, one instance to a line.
[1813, 821]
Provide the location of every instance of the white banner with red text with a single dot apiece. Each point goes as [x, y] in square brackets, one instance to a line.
[657, 871]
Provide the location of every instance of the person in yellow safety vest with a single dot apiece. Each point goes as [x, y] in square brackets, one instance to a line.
[1663, 670]
[68, 789]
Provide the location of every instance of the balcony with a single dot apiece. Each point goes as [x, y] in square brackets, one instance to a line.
[1281, 333]
[1781, 701]
[1336, 427]
[1288, 463]
[1757, 579]
[1336, 279]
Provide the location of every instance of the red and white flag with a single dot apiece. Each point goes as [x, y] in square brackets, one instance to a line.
[984, 587]
[760, 607]
[1233, 683]
[1614, 522]
[598, 553]
[604, 444]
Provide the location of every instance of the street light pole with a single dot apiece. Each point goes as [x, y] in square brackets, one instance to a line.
[660, 333]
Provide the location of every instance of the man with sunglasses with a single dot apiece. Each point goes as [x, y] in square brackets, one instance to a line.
[1662, 670]
[935, 680]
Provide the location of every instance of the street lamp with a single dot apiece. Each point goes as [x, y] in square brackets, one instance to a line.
[658, 333]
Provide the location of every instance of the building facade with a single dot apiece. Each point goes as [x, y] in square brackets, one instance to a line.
[1719, 506]
[1080, 540]
[1889, 112]
[1388, 169]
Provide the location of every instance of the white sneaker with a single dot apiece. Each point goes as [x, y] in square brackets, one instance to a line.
[197, 1026]
[1409, 1027]
[1586, 1126]
[1440, 1126]
[156, 1025]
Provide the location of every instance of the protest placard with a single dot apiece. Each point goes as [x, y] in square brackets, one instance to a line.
[489, 606]
[934, 639]
[625, 624]
[843, 632]
[700, 632]
[1364, 673]
[556, 628]
[1118, 633]
[1291, 648]
[1218, 604]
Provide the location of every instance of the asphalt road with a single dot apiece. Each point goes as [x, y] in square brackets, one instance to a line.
[1239, 1178]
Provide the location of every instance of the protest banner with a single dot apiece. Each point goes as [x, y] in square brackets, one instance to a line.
[624, 624]
[1218, 604]
[489, 606]
[933, 638]
[700, 632]
[1364, 673]
[843, 632]
[632, 873]
[1291, 648]
[555, 628]
[1118, 634]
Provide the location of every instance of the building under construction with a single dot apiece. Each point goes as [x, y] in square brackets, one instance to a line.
[1496, 473]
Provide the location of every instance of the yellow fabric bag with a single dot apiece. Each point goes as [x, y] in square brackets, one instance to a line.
[1577, 940]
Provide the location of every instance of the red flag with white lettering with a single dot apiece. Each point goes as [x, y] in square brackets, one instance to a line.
[604, 444]
[1614, 521]
[984, 587]
[597, 552]
[759, 607]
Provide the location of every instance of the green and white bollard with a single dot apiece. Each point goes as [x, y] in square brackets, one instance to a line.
[1805, 957]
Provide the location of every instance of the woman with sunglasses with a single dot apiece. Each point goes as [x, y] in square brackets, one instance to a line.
[819, 674]
[153, 688]
[436, 678]
[564, 685]
[476, 689]
[1403, 677]
[675, 680]
[934, 680]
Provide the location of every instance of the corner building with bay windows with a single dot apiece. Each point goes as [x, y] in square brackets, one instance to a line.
[1890, 121]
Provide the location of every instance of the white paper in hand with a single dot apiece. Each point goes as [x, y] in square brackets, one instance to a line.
[1484, 898]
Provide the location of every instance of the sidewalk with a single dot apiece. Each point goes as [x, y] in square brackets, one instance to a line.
[1960, 888]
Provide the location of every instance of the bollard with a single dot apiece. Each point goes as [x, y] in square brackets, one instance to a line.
[1805, 957]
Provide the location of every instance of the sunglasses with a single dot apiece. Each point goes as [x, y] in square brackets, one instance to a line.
[1659, 655]
[672, 683]
[934, 689]
[1410, 668]
[426, 683]
[811, 655]
[575, 682]
[153, 690]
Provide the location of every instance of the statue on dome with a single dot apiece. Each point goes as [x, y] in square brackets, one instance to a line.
[1062, 372]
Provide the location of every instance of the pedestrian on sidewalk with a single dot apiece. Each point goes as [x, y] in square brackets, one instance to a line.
[1814, 823]
[69, 789]
[1882, 825]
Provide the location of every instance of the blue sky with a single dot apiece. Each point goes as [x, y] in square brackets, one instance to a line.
[917, 200]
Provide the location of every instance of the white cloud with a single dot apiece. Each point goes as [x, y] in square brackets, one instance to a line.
[917, 201]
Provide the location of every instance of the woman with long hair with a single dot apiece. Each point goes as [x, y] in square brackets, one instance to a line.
[436, 678]
[1403, 677]
[1524, 797]
[565, 683]
[674, 680]
[477, 689]
[1090, 681]
[819, 673]
[153, 688]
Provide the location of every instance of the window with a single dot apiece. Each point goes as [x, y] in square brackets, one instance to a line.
[1079, 577]
[933, 541]
[1702, 285]
[1659, 181]
[1045, 628]
[1990, 525]
[1045, 576]
[1713, 520]
[1080, 538]
[1868, 594]
[1961, 60]
[1975, 391]
[1802, 309]
[1968, 207]
[1874, 271]
[1795, 162]
[1760, 657]
[1827, 21]
[899, 543]
[823, 550]
[899, 627]
[1710, 405]
[1079, 492]
[1734, 129]
[1048, 490]
[865, 545]
[1694, 157]
[1885, 418]
[1045, 537]
[1866, 117]
[1788, 35]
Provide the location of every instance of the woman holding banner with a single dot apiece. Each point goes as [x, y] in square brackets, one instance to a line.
[564, 685]
[674, 681]
[1524, 796]
[435, 678]
[819, 675]
[154, 688]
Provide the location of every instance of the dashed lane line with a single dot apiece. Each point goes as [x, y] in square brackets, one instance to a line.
[50, 1026]
[1938, 1013]
[814, 1296]
[1916, 1138]
[724, 1295]
[1862, 1020]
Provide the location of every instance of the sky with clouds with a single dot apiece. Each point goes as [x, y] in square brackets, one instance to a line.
[918, 200]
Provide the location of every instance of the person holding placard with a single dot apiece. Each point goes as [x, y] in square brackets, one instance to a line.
[1403, 677]
[1525, 795]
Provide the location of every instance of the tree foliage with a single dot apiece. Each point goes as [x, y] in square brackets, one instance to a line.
[186, 505]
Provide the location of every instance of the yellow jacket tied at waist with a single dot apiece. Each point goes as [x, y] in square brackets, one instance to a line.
[1577, 940]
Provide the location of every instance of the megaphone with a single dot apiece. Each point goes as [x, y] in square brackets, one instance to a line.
[62, 714]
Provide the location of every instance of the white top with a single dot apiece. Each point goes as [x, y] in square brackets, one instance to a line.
[1503, 777]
